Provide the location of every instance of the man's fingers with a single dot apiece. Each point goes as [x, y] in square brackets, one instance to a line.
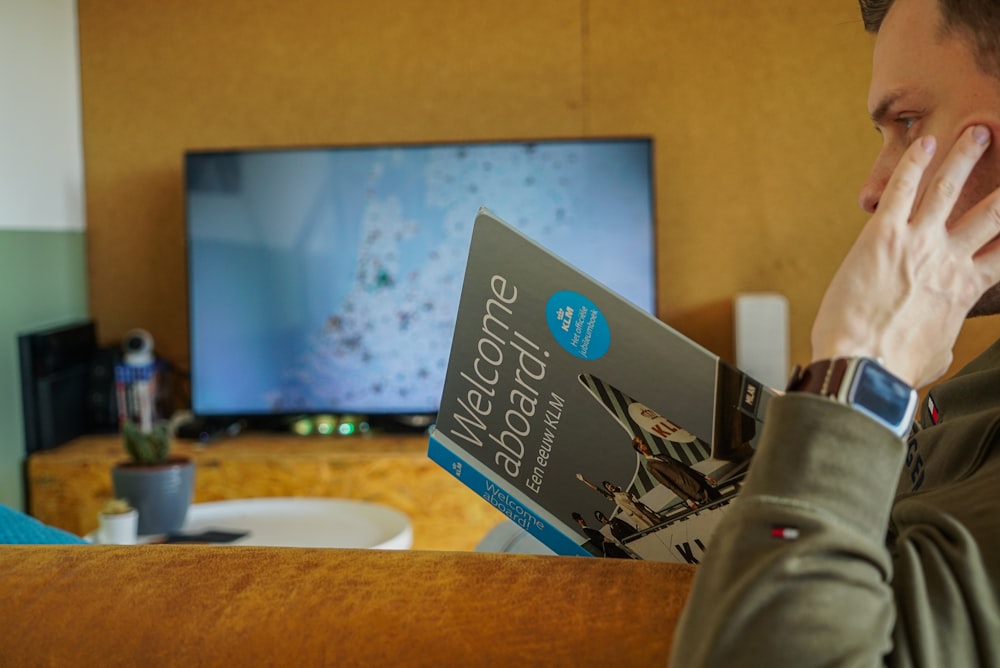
[946, 184]
[977, 235]
[901, 190]
[988, 263]
[979, 226]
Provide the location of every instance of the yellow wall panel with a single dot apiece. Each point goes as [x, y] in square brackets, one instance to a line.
[757, 110]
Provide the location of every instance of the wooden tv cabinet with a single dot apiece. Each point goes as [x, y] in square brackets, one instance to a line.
[68, 485]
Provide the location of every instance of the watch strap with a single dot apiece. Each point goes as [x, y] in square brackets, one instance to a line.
[850, 381]
[822, 377]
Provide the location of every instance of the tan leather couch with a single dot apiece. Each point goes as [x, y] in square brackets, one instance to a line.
[198, 605]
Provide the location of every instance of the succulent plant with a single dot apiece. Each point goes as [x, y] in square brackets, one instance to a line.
[147, 447]
[116, 507]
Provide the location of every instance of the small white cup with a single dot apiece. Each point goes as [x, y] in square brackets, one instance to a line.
[118, 528]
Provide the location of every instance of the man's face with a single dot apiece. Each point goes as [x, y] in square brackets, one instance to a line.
[926, 83]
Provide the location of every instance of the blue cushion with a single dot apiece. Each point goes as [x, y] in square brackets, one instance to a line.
[16, 527]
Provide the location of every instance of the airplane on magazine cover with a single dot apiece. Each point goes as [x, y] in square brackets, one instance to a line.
[712, 482]
[667, 441]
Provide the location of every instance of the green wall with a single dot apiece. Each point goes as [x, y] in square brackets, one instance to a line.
[43, 282]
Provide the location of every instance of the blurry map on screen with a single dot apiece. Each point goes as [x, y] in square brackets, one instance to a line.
[327, 279]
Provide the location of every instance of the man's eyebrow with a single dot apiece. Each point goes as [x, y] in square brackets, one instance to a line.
[881, 110]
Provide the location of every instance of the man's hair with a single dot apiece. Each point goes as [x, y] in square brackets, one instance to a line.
[873, 13]
[977, 20]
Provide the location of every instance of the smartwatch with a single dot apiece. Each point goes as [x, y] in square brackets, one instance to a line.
[864, 385]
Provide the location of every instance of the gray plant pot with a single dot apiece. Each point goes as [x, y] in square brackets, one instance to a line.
[162, 493]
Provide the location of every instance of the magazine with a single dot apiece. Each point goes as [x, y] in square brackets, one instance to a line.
[594, 426]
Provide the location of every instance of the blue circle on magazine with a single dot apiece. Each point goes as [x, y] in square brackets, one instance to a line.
[578, 325]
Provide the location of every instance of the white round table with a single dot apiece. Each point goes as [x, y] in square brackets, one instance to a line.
[299, 522]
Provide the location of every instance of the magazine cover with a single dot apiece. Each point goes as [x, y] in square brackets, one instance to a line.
[588, 422]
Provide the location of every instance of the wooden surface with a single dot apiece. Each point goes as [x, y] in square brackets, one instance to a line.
[68, 485]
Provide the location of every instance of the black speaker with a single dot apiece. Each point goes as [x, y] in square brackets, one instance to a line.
[102, 401]
[55, 374]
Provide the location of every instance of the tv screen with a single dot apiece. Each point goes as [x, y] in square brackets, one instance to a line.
[326, 280]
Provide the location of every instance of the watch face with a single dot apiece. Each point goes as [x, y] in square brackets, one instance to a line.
[882, 395]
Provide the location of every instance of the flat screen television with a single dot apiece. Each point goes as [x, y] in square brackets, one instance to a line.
[326, 279]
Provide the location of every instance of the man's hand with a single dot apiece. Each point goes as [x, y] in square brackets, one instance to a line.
[907, 284]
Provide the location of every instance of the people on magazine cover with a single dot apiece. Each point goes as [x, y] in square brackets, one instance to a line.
[859, 538]
[641, 515]
[688, 484]
[597, 543]
[620, 529]
[595, 539]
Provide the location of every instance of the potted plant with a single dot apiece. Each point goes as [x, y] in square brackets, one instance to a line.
[158, 485]
[119, 523]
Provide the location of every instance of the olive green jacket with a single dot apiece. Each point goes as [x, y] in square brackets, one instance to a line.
[849, 547]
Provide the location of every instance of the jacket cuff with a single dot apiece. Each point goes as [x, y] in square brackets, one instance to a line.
[828, 456]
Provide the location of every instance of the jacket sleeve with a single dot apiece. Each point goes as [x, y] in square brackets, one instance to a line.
[798, 573]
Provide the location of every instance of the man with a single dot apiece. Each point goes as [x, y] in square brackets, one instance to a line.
[820, 561]
[597, 543]
[620, 529]
[641, 515]
[689, 485]
[595, 539]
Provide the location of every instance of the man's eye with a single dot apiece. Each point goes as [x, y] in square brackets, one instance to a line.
[907, 123]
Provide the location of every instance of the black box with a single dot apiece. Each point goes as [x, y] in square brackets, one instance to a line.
[67, 385]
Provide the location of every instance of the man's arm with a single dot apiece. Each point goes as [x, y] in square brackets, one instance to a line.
[798, 572]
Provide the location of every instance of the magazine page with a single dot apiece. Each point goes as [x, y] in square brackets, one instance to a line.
[588, 422]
